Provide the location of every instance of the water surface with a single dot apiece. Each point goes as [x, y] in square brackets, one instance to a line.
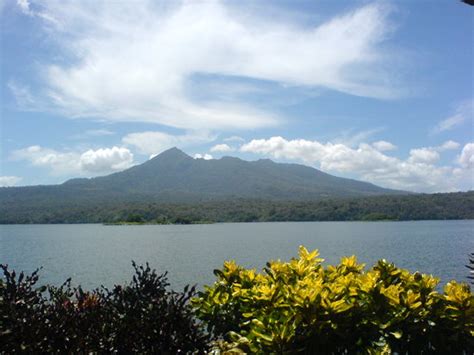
[96, 254]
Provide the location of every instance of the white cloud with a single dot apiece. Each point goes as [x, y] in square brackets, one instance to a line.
[24, 98]
[154, 142]
[448, 145]
[59, 162]
[105, 160]
[463, 112]
[466, 159]
[24, 6]
[135, 61]
[383, 146]
[423, 155]
[9, 180]
[91, 162]
[418, 172]
[430, 155]
[234, 139]
[353, 138]
[99, 132]
[203, 156]
[222, 148]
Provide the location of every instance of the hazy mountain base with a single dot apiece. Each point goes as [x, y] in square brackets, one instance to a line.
[411, 207]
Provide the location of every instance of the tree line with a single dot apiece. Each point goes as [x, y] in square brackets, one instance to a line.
[397, 208]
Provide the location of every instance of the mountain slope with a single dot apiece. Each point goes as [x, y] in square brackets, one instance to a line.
[175, 172]
[174, 176]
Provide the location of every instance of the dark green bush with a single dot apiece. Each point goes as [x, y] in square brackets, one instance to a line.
[142, 317]
[298, 306]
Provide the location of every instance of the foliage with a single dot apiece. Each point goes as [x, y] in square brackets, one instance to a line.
[470, 266]
[141, 317]
[135, 218]
[301, 306]
[410, 207]
[298, 306]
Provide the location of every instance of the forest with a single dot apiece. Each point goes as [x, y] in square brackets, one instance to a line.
[442, 206]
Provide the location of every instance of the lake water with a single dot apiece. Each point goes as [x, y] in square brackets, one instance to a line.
[95, 254]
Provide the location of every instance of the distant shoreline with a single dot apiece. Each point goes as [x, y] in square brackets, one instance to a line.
[447, 206]
[150, 223]
[210, 223]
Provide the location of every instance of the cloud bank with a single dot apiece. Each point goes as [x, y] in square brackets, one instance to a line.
[89, 163]
[9, 180]
[419, 172]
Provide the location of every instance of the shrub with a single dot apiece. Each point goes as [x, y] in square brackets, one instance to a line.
[470, 266]
[301, 306]
[292, 307]
[142, 317]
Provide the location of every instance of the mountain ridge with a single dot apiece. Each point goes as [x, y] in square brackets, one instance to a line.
[174, 176]
[175, 170]
[175, 188]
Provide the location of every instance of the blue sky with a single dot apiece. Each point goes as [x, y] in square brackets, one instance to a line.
[377, 91]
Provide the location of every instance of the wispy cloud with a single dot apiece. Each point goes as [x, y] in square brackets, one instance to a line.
[463, 112]
[133, 61]
[93, 133]
[26, 8]
[24, 98]
[353, 138]
[234, 139]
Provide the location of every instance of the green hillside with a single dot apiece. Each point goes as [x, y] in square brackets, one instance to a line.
[174, 177]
